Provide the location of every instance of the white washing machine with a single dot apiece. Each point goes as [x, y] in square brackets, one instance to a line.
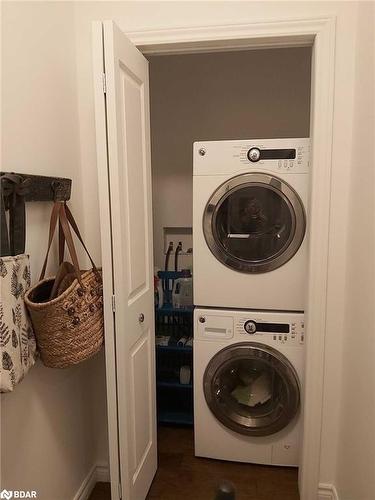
[249, 223]
[248, 374]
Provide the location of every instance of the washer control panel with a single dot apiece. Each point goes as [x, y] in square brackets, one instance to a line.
[281, 333]
[228, 325]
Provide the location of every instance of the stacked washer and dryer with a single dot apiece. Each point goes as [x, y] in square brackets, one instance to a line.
[250, 264]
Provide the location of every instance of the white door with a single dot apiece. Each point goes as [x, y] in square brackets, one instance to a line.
[124, 171]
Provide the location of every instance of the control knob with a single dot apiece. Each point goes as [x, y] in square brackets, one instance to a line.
[253, 154]
[250, 326]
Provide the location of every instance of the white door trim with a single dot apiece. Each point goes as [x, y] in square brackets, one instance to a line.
[286, 33]
[320, 34]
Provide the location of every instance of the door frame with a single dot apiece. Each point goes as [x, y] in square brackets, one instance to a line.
[319, 33]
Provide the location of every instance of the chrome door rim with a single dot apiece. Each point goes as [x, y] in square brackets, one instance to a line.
[289, 196]
[264, 425]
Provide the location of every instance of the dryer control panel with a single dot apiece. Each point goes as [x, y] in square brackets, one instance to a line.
[274, 155]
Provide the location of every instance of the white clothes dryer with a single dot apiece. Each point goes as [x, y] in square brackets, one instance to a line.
[248, 376]
[250, 202]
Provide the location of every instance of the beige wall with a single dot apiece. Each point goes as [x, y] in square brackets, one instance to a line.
[47, 424]
[356, 463]
[231, 95]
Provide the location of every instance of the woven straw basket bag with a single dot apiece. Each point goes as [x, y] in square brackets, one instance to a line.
[69, 328]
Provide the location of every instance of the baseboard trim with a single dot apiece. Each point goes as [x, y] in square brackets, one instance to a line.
[327, 492]
[87, 485]
[102, 473]
[98, 473]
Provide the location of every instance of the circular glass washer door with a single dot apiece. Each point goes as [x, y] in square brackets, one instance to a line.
[254, 223]
[252, 389]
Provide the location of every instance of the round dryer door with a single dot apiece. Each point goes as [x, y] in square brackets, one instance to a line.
[254, 223]
[252, 389]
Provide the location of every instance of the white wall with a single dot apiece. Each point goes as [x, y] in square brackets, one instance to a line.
[219, 96]
[356, 451]
[48, 423]
[134, 16]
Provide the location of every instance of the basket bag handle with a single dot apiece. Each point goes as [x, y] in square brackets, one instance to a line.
[52, 227]
[59, 213]
[73, 224]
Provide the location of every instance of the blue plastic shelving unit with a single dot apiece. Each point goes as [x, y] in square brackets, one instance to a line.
[174, 400]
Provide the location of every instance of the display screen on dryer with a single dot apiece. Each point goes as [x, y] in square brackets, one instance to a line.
[273, 327]
[277, 154]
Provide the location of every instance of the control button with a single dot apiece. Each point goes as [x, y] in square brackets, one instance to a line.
[253, 154]
[202, 319]
[250, 327]
[285, 337]
[303, 325]
[280, 337]
[274, 337]
[280, 164]
[291, 163]
[302, 338]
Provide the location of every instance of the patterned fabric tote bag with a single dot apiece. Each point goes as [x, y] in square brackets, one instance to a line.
[17, 341]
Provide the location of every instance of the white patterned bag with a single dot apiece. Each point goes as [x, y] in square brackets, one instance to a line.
[17, 341]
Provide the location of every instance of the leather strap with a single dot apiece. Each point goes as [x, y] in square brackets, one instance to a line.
[52, 228]
[73, 224]
[69, 241]
[13, 190]
[61, 244]
[62, 214]
[5, 246]
[76, 230]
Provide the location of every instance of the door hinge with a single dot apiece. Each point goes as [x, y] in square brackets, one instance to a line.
[104, 83]
[113, 303]
[119, 491]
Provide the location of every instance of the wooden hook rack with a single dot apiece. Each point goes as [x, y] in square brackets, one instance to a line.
[44, 188]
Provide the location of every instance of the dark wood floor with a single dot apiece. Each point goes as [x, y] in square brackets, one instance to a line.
[102, 491]
[181, 476]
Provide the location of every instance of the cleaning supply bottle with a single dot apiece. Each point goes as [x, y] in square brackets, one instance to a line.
[182, 294]
[158, 291]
